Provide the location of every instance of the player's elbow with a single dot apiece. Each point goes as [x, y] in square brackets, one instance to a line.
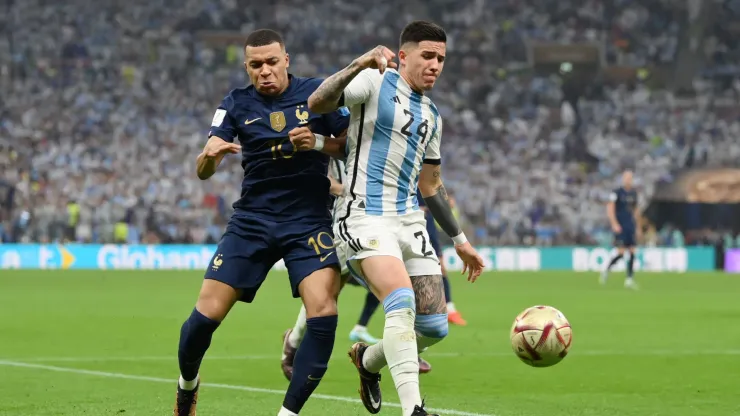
[428, 188]
[318, 106]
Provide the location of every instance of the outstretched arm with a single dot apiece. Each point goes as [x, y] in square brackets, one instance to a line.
[328, 97]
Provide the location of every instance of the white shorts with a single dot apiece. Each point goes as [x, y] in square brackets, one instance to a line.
[404, 237]
[341, 248]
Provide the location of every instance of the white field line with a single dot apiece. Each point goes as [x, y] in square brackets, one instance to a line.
[210, 385]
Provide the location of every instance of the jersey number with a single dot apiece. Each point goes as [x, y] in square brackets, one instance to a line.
[276, 146]
[421, 131]
[316, 242]
[423, 243]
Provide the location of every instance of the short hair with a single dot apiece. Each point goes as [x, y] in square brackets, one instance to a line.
[420, 30]
[263, 37]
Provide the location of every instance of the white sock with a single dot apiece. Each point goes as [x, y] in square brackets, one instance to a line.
[399, 345]
[451, 307]
[374, 358]
[188, 385]
[359, 328]
[286, 412]
[299, 330]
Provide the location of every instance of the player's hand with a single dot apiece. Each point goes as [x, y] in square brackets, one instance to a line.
[378, 58]
[216, 147]
[616, 228]
[302, 138]
[472, 261]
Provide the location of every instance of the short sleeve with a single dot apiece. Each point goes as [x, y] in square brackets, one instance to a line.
[613, 197]
[223, 124]
[432, 155]
[361, 88]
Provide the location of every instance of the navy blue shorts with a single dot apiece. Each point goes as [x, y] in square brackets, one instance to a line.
[626, 238]
[250, 247]
[433, 234]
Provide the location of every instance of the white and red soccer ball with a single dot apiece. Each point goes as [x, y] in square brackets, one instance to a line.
[541, 336]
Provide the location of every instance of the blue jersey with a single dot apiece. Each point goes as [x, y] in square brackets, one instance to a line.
[279, 183]
[625, 203]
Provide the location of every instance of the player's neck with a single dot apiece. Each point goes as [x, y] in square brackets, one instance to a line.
[407, 79]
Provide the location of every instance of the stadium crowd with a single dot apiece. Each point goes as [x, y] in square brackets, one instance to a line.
[105, 107]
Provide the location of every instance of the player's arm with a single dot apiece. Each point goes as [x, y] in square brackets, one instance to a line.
[638, 221]
[220, 141]
[435, 197]
[611, 211]
[335, 188]
[212, 155]
[340, 90]
[303, 139]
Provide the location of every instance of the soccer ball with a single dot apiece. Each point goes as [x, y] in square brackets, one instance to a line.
[541, 336]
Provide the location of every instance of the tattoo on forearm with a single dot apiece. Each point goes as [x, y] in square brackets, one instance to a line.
[430, 294]
[443, 191]
[329, 92]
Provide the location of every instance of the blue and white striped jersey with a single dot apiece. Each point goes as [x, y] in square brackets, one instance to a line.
[392, 131]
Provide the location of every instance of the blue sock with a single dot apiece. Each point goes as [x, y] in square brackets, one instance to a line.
[311, 361]
[371, 304]
[448, 292]
[195, 338]
[630, 266]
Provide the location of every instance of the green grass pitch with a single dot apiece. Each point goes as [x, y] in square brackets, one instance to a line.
[105, 343]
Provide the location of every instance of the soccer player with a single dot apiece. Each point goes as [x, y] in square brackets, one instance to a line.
[393, 140]
[283, 212]
[622, 213]
[453, 315]
[292, 337]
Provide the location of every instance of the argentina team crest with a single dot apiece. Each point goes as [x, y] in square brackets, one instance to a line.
[277, 121]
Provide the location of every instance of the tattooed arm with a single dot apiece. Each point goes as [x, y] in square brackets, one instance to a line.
[437, 201]
[332, 93]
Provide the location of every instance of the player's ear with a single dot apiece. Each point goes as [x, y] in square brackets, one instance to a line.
[287, 60]
[402, 55]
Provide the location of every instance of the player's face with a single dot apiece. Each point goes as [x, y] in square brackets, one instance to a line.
[267, 67]
[423, 63]
[627, 179]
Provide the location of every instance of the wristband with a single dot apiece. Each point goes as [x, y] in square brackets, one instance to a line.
[319, 142]
[459, 239]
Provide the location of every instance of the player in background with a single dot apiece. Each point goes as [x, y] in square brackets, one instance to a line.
[393, 140]
[625, 222]
[292, 337]
[453, 315]
[283, 212]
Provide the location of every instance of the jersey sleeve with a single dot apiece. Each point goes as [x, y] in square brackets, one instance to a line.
[361, 88]
[337, 121]
[432, 155]
[613, 197]
[223, 124]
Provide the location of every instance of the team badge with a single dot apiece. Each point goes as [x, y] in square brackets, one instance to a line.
[301, 115]
[277, 121]
[217, 262]
[373, 243]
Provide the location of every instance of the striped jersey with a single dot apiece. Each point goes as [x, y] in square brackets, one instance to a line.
[338, 172]
[393, 130]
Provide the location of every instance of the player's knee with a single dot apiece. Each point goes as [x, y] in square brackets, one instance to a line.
[432, 326]
[216, 299]
[401, 298]
[321, 306]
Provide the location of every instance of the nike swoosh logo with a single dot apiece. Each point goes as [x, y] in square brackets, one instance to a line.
[325, 257]
[248, 122]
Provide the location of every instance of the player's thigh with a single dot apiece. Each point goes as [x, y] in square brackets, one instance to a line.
[237, 269]
[374, 253]
[313, 266]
